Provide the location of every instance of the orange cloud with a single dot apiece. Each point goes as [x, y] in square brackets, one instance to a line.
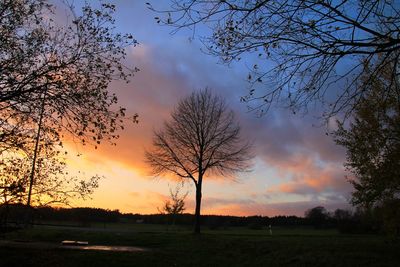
[309, 176]
[303, 157]
[306, 162]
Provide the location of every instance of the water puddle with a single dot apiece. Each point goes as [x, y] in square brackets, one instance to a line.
[67, 244]
[84, 245]
[105, 248]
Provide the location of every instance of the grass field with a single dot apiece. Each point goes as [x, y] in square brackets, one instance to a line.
[179, 247]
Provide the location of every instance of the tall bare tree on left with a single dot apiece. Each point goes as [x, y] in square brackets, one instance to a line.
[54, 80]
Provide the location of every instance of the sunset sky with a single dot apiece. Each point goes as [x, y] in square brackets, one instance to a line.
[296, 167]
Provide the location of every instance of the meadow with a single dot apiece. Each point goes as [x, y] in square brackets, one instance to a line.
[177, 246]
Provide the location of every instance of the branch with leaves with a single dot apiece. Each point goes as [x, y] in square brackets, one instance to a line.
[52, 182]
[72, 64]
[372, 141]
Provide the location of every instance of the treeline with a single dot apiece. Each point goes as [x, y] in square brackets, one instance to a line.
[360, 221]
[86, 216]
[216, 221]
[17, 214]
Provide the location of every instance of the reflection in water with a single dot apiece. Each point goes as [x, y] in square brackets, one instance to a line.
[74, 243]
[106, 248]
[84, 245]
[79, 245]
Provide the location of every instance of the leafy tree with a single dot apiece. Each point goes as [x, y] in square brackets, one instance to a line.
[54, 82]
[52, 183]
[60, 71]
[372, 141]
[317, 216]
[202, 138]
[301, 48]
[341, 215]
[49, 183]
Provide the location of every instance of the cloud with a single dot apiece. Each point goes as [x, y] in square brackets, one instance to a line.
[146, 202]
[248, 207]
[306, 160]
[210, 202]
[306, 164]
[308, 179]
[281, 135]
[152, 94]
[166, 76]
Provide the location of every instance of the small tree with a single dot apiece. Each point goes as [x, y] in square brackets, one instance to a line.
[202, 138]
[317, 216]
[176, 204]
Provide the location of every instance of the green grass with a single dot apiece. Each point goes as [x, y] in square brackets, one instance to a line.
[233, 247]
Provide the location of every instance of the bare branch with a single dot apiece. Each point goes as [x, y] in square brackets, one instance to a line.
[312, 50]
[201, 139]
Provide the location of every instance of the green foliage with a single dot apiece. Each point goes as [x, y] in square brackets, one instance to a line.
[372, 141]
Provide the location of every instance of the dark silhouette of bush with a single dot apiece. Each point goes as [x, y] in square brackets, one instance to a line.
[318, 216]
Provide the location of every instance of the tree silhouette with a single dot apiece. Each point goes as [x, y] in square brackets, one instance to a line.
[202, 138]
[54, 78]
[372, 141]
[52, 183]
[317, 216]
[63, 69]
[176, 204]
[301, 48]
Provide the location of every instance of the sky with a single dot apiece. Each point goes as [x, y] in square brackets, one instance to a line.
[297, 166]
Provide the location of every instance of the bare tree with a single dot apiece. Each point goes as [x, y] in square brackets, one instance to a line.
[309, 51]
[202, 138]
[176, 204]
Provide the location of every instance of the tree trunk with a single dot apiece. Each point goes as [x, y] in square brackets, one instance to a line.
[197, 210]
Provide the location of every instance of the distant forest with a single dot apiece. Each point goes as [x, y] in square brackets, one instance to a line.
[318, 217]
